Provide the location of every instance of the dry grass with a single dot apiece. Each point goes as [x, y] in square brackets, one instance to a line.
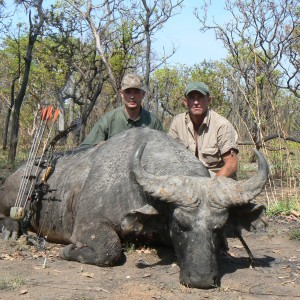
[283, 188]
[11, 283]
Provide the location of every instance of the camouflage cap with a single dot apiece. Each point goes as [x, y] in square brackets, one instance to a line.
[132, 81]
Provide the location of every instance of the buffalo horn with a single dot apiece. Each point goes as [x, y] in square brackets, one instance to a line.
[165, 188]
[228, 192]
[187, 191]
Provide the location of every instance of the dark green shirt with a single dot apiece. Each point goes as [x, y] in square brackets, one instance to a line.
[117, 121]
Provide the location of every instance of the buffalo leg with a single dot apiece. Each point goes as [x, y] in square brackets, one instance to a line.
[98, 245]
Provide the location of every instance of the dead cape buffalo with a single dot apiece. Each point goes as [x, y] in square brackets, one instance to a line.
[138, 181]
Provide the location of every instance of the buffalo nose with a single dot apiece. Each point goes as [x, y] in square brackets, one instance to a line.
[200, 281]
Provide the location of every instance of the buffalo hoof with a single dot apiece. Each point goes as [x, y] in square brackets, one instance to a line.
[86, 255]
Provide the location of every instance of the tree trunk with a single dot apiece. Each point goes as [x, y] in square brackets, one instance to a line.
[10, 109]
[18, 103]
[87, 109]
[7, 119]
[14, 133]
[33, 34]
[148, 53]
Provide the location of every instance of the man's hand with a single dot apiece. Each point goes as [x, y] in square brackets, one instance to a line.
[230, 164]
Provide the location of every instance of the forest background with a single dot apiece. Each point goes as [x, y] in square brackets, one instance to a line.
[73, 54]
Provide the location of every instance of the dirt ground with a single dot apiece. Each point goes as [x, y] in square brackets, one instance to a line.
[152, 273]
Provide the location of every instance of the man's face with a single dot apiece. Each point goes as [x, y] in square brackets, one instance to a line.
[132, 98]
[196, 103]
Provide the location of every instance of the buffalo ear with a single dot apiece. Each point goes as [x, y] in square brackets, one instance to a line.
[250, 217]
[144, 219]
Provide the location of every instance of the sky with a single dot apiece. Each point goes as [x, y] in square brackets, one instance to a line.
[183, 31]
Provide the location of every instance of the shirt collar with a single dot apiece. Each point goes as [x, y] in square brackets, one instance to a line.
[206, 120]
[127, 116]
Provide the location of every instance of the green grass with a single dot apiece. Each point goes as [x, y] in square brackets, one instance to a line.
[294, 234]
[3, 159]
[5, 166]
[246, 170]
[129, 248]
[11, 283]
[21, 156]
[284, 207]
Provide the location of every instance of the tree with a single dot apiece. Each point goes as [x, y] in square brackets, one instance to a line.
[46, 77]
[88, 85]
[156, 13]
[86, 68]
[35, 29]
[144, 21]
[84, 77]
[104, 17]
[263, 61]
[168, 89]
[16, 76]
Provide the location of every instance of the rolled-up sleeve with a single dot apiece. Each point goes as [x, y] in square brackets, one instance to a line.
[227, 138]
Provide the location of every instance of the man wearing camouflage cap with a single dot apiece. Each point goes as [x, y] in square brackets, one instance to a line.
[211, 137]
[130, 115]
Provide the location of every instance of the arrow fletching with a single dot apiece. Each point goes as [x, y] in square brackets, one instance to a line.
[56, 113]
[49, 113]
[43, 114]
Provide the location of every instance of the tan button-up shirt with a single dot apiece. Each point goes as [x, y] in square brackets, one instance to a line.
[216, 136]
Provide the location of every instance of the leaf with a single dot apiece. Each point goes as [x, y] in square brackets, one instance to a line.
[6, 256]
[238, 246]
[275, 251]
[87, 274]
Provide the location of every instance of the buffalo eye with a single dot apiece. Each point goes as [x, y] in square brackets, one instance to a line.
[184, 218]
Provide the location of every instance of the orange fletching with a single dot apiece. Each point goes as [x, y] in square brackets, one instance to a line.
[49, 113]
[56, 113]
[43, 114]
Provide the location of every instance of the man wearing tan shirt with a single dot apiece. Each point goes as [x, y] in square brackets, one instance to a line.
[211, 137]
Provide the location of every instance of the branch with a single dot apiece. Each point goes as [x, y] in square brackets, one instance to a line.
[271, 137]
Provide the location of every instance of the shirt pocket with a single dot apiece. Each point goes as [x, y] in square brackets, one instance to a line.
[211, 155]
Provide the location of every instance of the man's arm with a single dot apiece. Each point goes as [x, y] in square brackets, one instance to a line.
[97, 134]
[173, 130]
[156, 124]
[230, 164]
